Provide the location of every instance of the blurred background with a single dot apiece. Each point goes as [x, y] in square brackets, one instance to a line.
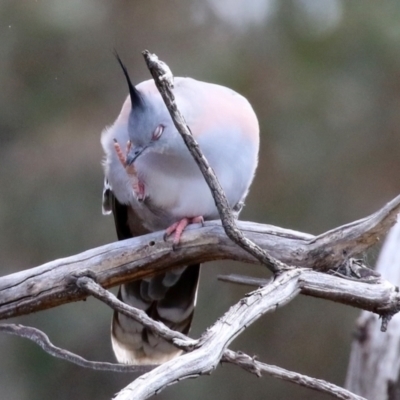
[324, 79]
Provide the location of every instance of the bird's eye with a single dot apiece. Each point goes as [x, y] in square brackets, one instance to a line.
[157, 132]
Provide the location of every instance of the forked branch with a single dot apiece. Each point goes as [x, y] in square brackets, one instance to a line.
[211, 347]
[163, 79]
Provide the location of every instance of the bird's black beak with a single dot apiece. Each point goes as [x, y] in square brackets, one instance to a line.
[134, 153]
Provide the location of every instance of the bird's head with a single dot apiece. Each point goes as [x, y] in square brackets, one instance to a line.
[150, 127]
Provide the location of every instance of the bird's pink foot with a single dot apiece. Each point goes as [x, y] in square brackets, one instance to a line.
[137, 185]
[121, 155]
[178, 227]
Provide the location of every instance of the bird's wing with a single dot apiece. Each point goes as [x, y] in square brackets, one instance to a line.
[168, 297]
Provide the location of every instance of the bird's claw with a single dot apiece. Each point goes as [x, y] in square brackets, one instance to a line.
[137, 185]
[178, 227]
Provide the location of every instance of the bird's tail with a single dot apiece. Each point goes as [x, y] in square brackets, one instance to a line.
[170, 298]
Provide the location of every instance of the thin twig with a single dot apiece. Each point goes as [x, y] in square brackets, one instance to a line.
[243, 280]
[42, 340]
[254, 366]
[159, 70]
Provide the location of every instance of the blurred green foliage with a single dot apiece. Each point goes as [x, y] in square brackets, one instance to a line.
[323, 77]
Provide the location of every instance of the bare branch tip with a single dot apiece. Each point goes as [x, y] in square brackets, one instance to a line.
[385, 321]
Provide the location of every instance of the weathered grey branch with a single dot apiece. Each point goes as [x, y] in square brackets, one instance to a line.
[240, 359]
[374, 367]
[163, 78]
[211, 348]
[42, 340]
[243, 360]
[368, 296]
[348, 241]
[256, 367]
[50, 285]
[243, 280]
[380, 297]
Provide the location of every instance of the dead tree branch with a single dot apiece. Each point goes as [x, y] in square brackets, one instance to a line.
[246, 362]
[50, 284]
[42, 340]
[211, 348]
[374, 367]
[254, 366]
[243, 360]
